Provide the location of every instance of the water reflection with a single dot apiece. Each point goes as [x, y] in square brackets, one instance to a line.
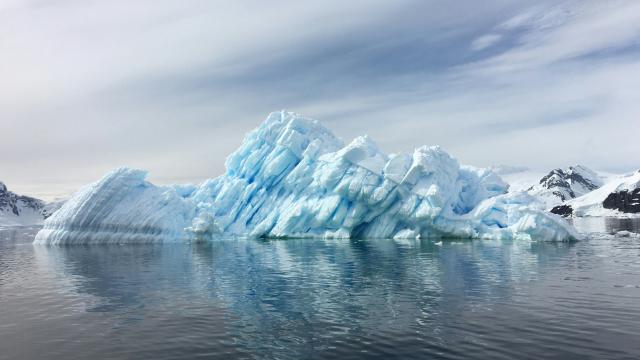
[608, 225]
[293, 298]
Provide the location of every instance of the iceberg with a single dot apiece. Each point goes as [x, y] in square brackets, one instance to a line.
[292, 177]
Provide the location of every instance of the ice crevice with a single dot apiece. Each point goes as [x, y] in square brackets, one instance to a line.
[291, 177]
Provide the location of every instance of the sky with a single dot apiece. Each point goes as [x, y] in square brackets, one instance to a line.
[172, 86]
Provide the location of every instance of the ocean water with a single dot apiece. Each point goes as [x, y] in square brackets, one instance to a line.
[312, 299]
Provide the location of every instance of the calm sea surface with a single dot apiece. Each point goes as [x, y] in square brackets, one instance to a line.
[312, 299]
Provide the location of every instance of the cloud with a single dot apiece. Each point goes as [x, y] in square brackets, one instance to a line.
[570, 31]
[485, 41]
[172, 86]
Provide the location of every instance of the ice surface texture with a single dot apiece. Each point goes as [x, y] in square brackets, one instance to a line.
[292, 177]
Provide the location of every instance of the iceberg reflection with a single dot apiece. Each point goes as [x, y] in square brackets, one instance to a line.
[272, 295]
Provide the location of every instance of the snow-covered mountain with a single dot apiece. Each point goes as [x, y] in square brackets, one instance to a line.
[578, 191]
[561, 185]
[23, 210]
[620, 196]
[555, 187]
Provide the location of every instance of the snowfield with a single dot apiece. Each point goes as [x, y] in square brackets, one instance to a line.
[292, 177]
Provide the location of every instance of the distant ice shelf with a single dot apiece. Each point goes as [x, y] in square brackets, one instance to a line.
[291, 177]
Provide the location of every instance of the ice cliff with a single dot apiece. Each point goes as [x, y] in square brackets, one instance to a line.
[292, 177]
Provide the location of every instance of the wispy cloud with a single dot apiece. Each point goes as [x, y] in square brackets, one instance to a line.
[485, 41]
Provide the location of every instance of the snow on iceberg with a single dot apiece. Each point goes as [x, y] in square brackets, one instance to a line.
[292, 177]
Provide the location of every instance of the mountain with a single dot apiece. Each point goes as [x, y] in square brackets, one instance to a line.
[560, 185]
[620, 196]
[579, 191]
[23, 210]
[292, 177]
[555, 187]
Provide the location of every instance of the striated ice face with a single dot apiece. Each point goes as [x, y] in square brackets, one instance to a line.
[292, 177]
